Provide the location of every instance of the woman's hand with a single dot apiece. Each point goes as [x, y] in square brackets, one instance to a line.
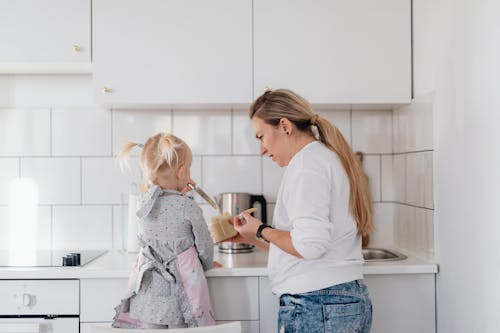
[247, 227]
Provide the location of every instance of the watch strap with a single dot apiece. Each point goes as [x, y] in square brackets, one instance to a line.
[263, 226]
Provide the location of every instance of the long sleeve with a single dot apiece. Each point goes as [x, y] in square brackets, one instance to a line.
[307, 203]
[202, 239]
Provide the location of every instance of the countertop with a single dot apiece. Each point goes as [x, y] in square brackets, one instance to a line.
[117, 264]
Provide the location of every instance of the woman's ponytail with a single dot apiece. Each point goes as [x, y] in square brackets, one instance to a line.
[360, 200]
[273, 105]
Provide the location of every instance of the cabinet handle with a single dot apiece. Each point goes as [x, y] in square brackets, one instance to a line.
[28, 300]
[77, 48]
[106, 90]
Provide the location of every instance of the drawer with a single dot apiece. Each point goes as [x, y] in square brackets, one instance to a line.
[39, 297]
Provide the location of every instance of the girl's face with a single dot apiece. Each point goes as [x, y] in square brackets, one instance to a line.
[273, 141]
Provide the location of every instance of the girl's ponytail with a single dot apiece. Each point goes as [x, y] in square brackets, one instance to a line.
[123, 156]
[168, 149]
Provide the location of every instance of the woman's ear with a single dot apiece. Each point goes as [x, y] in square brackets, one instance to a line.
[286, 126]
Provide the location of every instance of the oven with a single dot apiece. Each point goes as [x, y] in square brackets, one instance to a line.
[41, 306]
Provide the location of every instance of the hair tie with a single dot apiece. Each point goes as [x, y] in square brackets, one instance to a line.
[140, 145]
[314, 119]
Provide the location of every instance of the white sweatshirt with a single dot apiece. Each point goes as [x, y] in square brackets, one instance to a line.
[313, 203]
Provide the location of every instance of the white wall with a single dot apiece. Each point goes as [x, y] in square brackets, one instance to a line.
[51, 130]
[457, 52]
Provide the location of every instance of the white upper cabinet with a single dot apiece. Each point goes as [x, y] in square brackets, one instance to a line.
[334, 51]
[44, 35]
[172, 51]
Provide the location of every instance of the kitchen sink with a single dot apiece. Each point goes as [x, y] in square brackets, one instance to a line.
[374, 254]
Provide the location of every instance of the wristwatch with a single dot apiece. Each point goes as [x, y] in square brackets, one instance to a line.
[263, 226]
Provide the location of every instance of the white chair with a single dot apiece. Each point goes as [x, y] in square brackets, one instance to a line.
[233, 327]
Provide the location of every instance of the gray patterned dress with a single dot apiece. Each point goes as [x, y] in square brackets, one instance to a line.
[169, 224]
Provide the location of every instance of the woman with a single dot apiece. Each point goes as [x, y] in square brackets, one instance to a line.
[322, 210]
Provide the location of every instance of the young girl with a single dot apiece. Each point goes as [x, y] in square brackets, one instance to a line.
[167, 287]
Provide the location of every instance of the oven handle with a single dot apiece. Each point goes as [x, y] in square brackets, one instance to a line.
[19, 327]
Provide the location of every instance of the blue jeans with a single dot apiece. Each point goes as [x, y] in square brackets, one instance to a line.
[343, 308]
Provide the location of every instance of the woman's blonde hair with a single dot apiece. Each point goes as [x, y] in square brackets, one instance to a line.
[164, 151]
[274, 105]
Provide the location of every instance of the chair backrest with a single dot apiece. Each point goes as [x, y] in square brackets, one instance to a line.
[233, 327]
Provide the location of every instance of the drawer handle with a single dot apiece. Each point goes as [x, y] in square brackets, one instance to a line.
[77, 48]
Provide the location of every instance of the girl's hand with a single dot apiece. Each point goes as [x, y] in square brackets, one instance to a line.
[217, 264]
[186, 188]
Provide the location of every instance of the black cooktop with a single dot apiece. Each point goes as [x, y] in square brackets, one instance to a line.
[48, 258]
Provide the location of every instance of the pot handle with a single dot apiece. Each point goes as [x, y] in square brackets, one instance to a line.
[263, 205]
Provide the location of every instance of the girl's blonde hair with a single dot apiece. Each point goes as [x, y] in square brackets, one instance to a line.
[164, 151]
[274, 105]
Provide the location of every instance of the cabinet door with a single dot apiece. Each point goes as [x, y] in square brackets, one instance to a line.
[172, 51]
[99, 297]
[334, 51]
[269, 306]
[45, 31]
[234, 298]
[402, 303]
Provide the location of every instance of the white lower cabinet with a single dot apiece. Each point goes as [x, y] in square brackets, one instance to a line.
[99, 297]
[233, 298]
[401, 303]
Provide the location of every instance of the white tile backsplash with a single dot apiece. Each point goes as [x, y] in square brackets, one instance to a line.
[43, 240]
[82, 227]
[415, 179]
[399, 180]
[81, 132]
[9, 170]
[24, 132]
[58, 179]
[232, 174]
[137, 126]
[387, 181]
[372, 131]
[412, 126]
[244, 141]
[119, 227]
[104, 183]
[271, 178]
[207, 132]
[51, 130]
[383, 220]
[371, 165]
[429, 180]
